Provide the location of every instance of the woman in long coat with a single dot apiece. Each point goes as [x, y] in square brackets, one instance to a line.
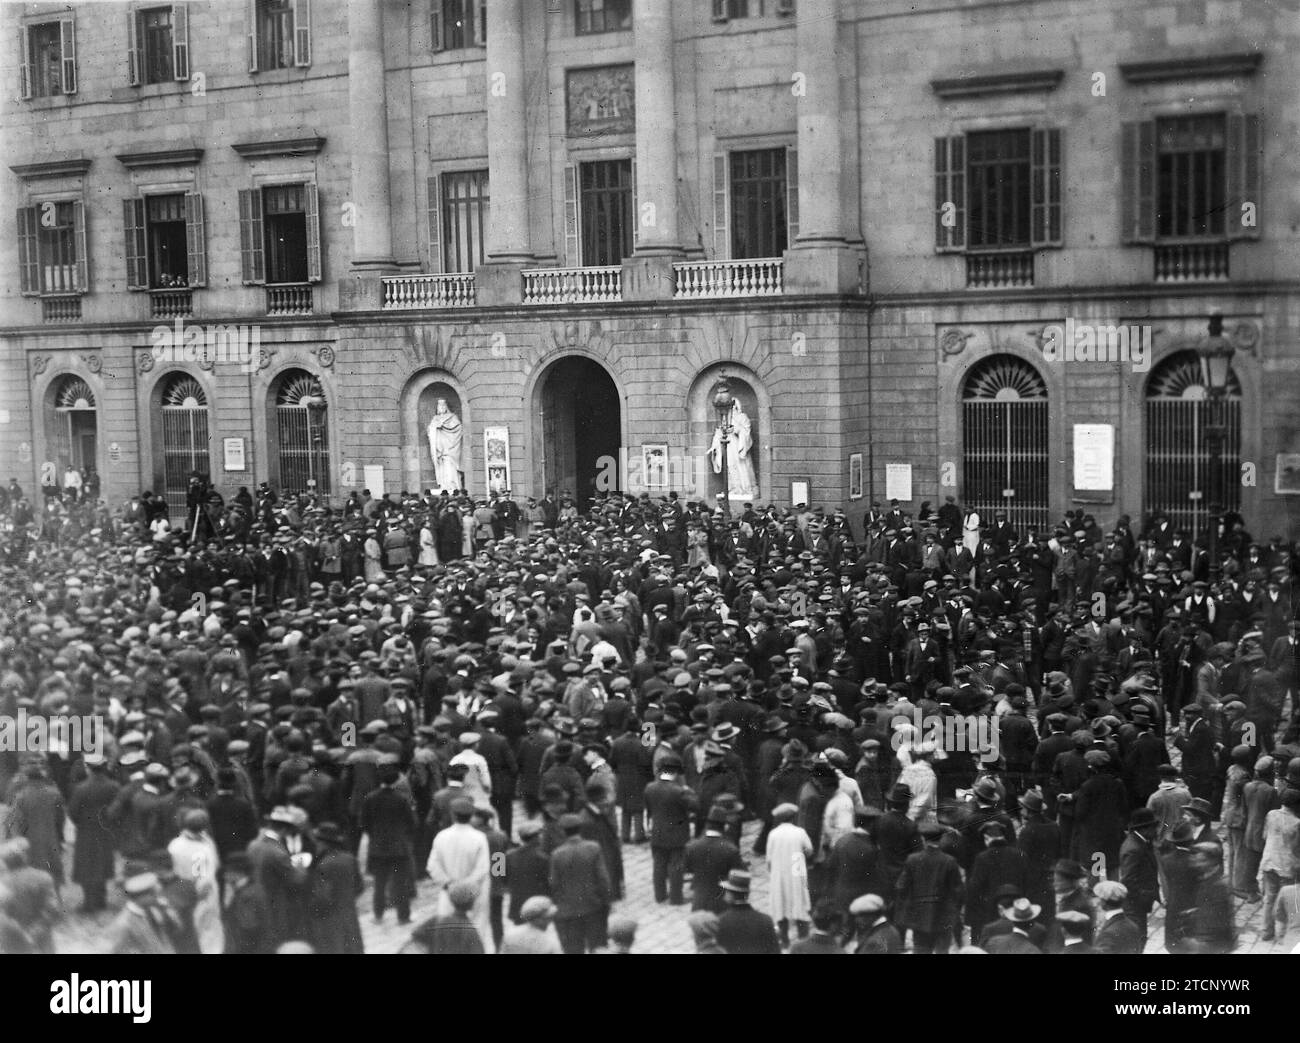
[374, 558]
[788, 851]
[333, 886]
[194, 858]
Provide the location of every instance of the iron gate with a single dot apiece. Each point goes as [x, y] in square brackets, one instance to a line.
[184, 440]
[303, 435]
[1180, 474]
[1004, 442]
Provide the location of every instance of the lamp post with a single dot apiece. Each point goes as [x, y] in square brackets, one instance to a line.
[315, 406]
[722, 403]
[1216, 353]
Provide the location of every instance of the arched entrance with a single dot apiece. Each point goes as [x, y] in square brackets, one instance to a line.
[183, 411]
[1004, 441]
[301, 431]
[1180, 479]
[73, 434]
[582, 430]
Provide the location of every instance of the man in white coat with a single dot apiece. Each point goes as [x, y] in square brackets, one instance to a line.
[788, 851]
[460, 855]
[194, 858]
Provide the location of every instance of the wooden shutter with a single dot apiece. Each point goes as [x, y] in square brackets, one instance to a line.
[1045, 188]
[720, 10]
[435, 26]
[302, 33]
[636, 210]
[950, 187]
[721, 208]
[252, 36]
[572, 218]
[791, 196]
[137, 259]
[195, 240]
[435, 223]
[29, 262]
[1138, 181]
[251, 237]
[79, 237]
[68, 34]
[480, 21]
[181, 41]
[1243, 164]
[134, 57]
[312, 207]
[24, 64]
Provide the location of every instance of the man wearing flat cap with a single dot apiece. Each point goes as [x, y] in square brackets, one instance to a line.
[461, 855]
[581, 889]
[388, 818]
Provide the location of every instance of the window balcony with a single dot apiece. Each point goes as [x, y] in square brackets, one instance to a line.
[61, 309]
[171, 304]
[758, 277]
[407, 292]
[1002, 270]
[289, 299]
[573, 285]
[1191, 262]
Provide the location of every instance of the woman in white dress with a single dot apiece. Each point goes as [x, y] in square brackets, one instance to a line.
[194, 858]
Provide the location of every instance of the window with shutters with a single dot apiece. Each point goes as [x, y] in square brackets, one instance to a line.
[459, 24]
[165, 235]
[44, 45]
[1190, 182]
[726, 10]
[464, 219]
[759, 226]
[274, 32]
[605, 205]
[285, 223]
[602, 16]
[997, 176]
[156, 44]
[57, 241]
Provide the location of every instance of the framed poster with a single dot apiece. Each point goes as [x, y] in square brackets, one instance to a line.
[1286, 479]
[855, 476]
[496, 458]
[800, 491]
[654, 465]
[898, 482]
[234, 454]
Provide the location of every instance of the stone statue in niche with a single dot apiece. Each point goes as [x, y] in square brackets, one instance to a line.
[446, 437]
[742, 482]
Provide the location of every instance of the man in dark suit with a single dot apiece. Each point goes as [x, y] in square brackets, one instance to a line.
[896, 838]
[1138, 870]
[581, 890]
[929, 893]
[503, 769]
[742, 929]
[1116, 933]
[389, 819]
[528, 870]
[1074, 927]
[709, 859]
[1200, 756]
[669, 803]
[1021, 913]
[599, 824]
[852, 869]
[1000, 864]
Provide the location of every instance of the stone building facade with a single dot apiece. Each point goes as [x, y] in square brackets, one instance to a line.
[264, 239]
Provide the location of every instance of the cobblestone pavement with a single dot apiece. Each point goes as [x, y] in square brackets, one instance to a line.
[661, 928]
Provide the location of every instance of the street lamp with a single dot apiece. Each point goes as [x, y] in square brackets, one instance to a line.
[722, 403]
[315, 406]
[1216, 353]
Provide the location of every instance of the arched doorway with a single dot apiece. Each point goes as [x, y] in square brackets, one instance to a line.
[1180, 478]
[73, 435]
[302, 449]
[582, 430]
[1004, 419]
[183, 411]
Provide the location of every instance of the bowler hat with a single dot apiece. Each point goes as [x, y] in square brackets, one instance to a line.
[738, 882]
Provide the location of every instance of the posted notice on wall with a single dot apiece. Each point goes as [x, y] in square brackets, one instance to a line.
[1094, 457]
[233, 453]
[374, 480]
[898, 482]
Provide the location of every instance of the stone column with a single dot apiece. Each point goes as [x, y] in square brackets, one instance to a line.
[372, 232]
[648, 274]
[821, 259]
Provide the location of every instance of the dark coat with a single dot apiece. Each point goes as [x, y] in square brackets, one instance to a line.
[281, 885]
[1139, 872]
[528, 873]
[37, 814]
[580, 883]
[598, 824]
[1100, 811]
[670, 806]
[1209, 926]
[897, 837]
[389, 819]
[743, 930]
[1012, 942]
[333, 886]
[630, 759]
[1180, 886]
[929, 891]
[233, 821]
[1040, 842]
[709, 859]
[1119, 934]
[994, 867]
[92, 858]
[881, 939]
[1141, 766]
[853, 868]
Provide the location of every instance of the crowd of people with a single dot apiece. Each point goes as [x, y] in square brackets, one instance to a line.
[935, 732]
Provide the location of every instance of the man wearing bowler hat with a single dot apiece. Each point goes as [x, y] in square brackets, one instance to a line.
[742, 929]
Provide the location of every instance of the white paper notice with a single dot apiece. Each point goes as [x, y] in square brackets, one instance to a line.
[1094, 457]
[374, 480]
[898, 482]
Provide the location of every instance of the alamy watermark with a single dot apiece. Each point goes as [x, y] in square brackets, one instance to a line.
[233, 344]
[951, 733]
[61, 734]
[1082, 342]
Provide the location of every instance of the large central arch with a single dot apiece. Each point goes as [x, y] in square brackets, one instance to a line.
[578, 423]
